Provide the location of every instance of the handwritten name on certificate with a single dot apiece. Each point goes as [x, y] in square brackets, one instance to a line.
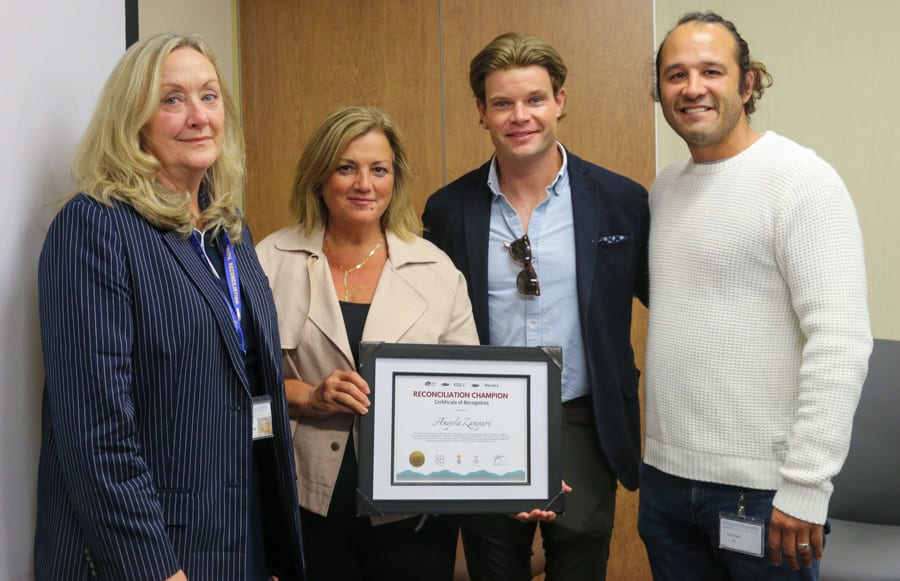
[461, 429]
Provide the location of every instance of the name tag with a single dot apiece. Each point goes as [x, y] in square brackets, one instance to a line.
[741, 534]
[262, 417]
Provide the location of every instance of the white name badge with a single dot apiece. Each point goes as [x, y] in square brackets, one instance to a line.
[741, 534]
[262, 417]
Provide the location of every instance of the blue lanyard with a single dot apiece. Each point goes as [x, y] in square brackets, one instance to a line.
[233, 296]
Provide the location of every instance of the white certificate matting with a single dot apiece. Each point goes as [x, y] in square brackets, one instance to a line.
[459, 429]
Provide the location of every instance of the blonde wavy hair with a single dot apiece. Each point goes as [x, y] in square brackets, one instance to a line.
[321, 158]
[112, 164]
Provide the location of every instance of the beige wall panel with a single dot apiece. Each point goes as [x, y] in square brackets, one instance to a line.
[300, 60]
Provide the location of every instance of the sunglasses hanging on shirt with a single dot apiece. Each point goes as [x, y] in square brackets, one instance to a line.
[527, 280]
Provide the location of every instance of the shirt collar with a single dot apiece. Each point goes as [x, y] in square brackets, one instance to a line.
[560, 182]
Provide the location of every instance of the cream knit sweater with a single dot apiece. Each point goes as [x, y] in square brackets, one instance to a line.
[759, 331]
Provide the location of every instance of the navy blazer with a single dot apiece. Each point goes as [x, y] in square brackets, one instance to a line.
[610, 268]
[146, 450]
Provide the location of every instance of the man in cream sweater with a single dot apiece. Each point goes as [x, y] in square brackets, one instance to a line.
[759, 333]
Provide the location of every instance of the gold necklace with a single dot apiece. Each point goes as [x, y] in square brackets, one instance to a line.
[355, 268]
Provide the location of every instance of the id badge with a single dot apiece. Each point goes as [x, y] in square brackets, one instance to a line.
[742, 534]
[262, 417]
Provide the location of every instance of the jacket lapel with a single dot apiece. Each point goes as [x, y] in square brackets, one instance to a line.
[586, 218]
[385, 320]
[324, 308]
[255, 294]
[476, 230]
[200, 276]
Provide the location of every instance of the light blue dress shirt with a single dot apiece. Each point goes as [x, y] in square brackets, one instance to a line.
[552, 317]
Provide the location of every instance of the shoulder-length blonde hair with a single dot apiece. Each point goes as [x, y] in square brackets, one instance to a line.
[111, 163]
[321, 158]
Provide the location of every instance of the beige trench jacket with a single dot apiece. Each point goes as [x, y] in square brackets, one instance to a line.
[421, 298]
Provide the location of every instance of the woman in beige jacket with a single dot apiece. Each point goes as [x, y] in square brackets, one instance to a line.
[354, 268]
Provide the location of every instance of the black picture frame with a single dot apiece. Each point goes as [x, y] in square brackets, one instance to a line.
[467, 387]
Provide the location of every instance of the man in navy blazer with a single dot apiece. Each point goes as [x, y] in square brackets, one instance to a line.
[554, 249]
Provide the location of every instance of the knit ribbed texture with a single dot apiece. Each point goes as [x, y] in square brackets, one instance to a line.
[759, 331]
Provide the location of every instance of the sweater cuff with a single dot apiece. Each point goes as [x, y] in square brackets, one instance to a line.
[804, 502]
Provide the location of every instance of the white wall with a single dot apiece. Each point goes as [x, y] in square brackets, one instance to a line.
[52, 71]
[835, 67]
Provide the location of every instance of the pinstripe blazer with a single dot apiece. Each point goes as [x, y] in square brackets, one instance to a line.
[146, 451]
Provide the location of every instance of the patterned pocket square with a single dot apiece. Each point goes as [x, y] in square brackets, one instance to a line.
[611, 239]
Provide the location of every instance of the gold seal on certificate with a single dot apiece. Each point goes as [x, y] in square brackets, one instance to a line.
[459, 429]
[416, 459]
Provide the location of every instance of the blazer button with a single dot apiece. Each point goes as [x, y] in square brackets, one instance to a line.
[335, 446]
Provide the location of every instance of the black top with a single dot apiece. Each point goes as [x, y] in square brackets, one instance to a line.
[355, 315]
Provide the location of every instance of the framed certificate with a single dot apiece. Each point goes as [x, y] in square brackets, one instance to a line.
[460, 429]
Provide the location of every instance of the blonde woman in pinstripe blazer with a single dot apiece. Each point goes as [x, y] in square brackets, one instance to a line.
[159, 336]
